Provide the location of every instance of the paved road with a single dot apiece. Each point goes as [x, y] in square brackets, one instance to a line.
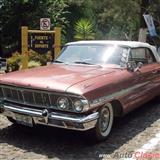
[128, 135]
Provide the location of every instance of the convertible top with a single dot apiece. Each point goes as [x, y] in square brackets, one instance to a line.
[131, 44]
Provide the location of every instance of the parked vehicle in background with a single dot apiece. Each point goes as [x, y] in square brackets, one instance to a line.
[88, 85]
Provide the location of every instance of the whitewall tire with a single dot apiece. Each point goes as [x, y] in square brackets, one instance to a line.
[104, 123]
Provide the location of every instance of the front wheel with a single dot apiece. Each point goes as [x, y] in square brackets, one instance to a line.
[104, 123]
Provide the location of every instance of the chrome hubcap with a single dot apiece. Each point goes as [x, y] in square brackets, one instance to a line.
[104, 120]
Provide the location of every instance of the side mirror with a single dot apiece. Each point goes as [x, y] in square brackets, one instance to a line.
[131, 66]
[139, 66]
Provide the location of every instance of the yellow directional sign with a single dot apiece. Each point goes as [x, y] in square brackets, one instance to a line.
[41, 42]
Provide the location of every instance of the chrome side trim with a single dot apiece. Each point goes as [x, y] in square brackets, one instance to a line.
[102, 100]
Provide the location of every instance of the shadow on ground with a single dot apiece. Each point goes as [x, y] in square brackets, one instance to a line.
[65, 144]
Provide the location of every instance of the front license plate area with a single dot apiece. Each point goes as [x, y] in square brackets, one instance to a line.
[24, 120]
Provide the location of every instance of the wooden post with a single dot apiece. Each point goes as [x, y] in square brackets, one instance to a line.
[57, 41]
[24, 36]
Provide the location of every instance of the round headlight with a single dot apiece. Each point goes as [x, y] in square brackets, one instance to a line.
[78, 105]
[63, 103]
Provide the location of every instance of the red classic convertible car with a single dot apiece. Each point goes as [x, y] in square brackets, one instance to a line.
[89, 84]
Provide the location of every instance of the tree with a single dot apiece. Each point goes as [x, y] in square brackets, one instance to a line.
[112, 19]
[116, 19]
[77, 10]
[119, 19]
[17, 13]
[84, 30]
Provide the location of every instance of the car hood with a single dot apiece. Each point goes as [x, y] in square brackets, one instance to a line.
[58, 77]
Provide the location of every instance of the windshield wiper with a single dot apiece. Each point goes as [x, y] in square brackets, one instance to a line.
[82, 62]
[57, 61]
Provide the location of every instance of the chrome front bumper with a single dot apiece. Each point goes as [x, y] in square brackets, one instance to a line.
[45, 117]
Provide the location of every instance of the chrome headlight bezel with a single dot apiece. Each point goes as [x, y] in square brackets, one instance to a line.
[82, 106]
[63, 103]
[72, 104]
[78, 105]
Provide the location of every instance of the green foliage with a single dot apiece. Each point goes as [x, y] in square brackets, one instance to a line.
[17, 13]
[35, 60]
[33, 64]
[112, 19]
[41, 58]
[119, 19]
[14, 62]
[84, 30]
[77, 10]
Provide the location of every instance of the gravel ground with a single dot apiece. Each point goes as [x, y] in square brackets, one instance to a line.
[129, 134]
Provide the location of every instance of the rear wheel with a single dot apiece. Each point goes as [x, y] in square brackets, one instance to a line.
[104, 123]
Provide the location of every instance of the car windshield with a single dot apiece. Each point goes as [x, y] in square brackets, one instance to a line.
[93, 54]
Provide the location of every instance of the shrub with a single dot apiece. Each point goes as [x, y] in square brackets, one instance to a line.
[33, 64]
[14, 63]
[84, 30]
[41, 58]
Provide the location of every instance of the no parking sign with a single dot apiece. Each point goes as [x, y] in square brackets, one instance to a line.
[45, 23]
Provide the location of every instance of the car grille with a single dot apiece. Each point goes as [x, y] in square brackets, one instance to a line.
[27, 96]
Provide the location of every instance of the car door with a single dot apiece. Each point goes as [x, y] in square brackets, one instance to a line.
[151, 72]
[142, 83]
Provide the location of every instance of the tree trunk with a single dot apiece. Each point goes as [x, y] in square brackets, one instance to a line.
[144, 10]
